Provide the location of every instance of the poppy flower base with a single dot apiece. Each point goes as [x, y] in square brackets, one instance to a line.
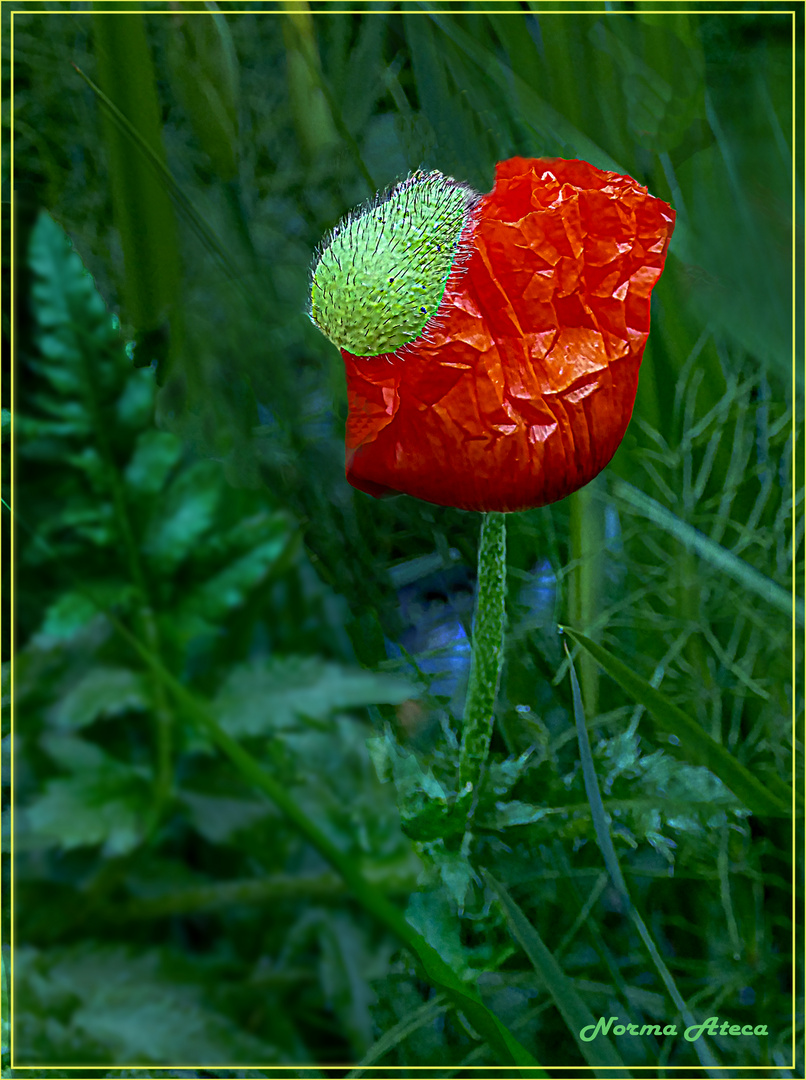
[521, 387]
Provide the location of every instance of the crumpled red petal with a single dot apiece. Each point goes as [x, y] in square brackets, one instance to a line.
[523, 388]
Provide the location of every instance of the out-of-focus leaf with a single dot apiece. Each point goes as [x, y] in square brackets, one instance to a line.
[205, 71]
[426, 1015]
[104, 802]
[271, 541]
[104, 691]
[346, 967]
[185, 515]
[134, 409]
[70, 613]
[111, 995]
[365, 75]
[258, 699]
[313, 120]
[661, 104]
[155, 454]
[218, 818]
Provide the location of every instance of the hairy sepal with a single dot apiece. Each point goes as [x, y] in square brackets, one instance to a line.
[380, 275]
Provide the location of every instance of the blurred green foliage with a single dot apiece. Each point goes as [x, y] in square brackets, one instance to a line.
[180, 471]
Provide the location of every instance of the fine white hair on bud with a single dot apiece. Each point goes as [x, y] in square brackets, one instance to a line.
[379, 276]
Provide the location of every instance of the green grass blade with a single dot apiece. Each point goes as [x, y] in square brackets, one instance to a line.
[771, 798]
[600, 1053]
[548, 124]
[708, 550]
[142, 208]
[183, 203]
[398, 1033]
[607, 848]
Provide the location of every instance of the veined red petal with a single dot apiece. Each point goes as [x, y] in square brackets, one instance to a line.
[520, 390]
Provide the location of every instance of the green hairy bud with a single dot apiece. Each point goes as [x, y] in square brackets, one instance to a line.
[379, 276]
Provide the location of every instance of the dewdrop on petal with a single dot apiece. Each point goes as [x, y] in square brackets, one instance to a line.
[380, 275]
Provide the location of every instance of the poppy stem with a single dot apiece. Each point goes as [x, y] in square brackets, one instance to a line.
[488, 649]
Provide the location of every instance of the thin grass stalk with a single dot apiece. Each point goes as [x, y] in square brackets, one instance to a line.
[605, 843]
[309, 106]
[320, 119]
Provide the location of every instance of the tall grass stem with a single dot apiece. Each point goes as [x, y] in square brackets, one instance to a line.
[605, 843]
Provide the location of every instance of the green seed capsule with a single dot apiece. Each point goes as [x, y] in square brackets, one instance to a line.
[381, 273]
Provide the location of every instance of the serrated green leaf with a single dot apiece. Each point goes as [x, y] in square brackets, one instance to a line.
[133, 1007]
[264, 697]
[441, 973]
[66, 307]
[456, 874]
[104, 691]
[506, 814]
[428, 810]
[103, 802]
[692, 743]
[503, 775]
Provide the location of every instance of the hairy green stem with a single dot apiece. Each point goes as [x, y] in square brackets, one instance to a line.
[586, 527]
[488, 649]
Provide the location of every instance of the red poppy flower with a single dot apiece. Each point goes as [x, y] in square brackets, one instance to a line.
[521, 388]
